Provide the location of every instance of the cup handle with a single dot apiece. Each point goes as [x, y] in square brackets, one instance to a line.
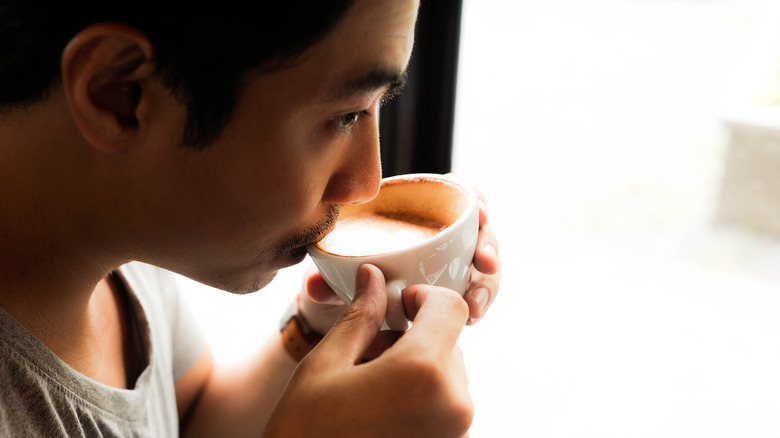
[395, 317]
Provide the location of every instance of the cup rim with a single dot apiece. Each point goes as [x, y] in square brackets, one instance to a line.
[458, 183]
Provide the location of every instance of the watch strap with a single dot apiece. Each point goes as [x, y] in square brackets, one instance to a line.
[297, 336]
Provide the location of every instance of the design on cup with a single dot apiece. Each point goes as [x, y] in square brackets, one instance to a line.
[431, 277]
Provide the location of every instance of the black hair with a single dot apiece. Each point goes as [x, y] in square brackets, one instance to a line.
[202, 49]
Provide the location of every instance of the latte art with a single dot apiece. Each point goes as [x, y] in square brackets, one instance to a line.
[372, 233]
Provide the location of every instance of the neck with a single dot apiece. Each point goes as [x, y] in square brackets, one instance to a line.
[52, 241]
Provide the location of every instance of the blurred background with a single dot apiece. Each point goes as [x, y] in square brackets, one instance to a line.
[630, 154]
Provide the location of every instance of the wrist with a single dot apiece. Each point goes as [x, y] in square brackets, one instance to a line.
[298, 337]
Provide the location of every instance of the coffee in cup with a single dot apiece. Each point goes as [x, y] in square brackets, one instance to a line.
[372, 233]
[421, 228]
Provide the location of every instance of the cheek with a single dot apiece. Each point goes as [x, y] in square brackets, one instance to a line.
[276, 173]
[287, 192]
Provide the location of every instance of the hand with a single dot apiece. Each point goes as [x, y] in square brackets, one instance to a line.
[485, 269]
[321, 307]
[415, 388]
[318, 303]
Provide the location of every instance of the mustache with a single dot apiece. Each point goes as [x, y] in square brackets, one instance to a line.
[313, 233]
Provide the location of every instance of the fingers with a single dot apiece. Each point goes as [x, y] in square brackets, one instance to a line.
[438, 317]
[482, 291]
[354, 332]
[483, 217]
[384, 340]
[485, 271]
[317, 302]
[484, 278]
[486, 256]
[319, 291]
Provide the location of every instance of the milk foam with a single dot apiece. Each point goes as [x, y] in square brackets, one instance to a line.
[370, 233]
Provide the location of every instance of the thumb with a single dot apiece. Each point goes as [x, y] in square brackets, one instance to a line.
[357, 328]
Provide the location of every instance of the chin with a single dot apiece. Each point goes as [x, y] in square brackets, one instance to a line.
[255, 283]
[238, 282]
[261, 276]
[246, 278]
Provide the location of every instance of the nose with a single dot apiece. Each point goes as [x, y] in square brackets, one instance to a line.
[357, 179]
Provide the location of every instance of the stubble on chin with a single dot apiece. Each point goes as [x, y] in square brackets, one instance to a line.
[312, 234]
[265, 273]
[257, 285]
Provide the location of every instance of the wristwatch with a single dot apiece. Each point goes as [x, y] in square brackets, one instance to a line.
[298, 337]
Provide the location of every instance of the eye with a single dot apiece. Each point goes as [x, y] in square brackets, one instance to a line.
[346, 121]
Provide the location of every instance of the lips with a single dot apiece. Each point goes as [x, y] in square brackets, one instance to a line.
[297, 255]
[324, 233]
[323, 228]
[293, 247]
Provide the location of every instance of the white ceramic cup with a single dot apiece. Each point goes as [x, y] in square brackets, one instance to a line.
[443, 259]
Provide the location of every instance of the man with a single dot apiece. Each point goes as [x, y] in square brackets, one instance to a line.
[216, 146]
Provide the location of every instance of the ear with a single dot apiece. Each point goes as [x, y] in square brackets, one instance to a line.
[105, 69]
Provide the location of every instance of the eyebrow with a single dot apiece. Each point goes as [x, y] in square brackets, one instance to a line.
[375, 79]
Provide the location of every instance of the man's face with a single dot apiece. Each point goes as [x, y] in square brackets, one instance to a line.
[302, 140]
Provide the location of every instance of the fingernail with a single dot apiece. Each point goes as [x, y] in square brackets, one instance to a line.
[490, 250]
[481, 297]
[482, 214]
[362, 279]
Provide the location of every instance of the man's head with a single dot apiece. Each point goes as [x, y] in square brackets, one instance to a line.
[295, 136]
[202, 49]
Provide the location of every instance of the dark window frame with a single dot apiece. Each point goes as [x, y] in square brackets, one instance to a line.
[416, 128]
